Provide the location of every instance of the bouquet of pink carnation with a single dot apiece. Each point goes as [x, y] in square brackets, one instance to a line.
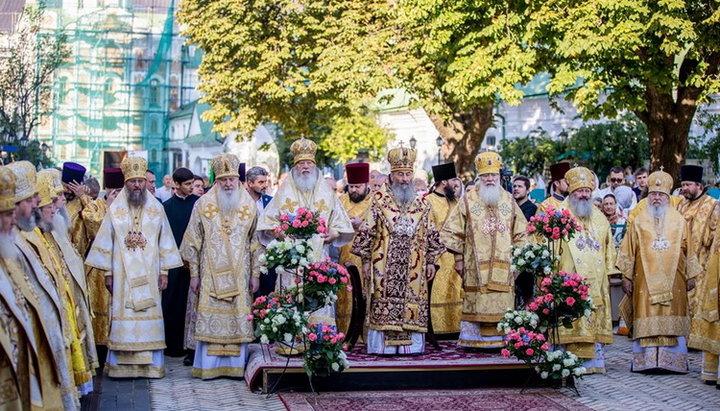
[277, 318]
[554, 224]
[325, 351]
[563, 298]
[301, 224]
[526, 345]
[321, 282]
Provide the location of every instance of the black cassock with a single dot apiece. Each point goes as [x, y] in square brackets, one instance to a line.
[174, 298]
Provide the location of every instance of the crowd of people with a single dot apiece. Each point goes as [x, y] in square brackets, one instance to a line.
[113, 280]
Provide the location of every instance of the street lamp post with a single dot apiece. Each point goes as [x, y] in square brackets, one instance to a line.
[413, 142]
[439, 142]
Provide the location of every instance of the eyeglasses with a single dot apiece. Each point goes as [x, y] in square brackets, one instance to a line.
[616, 180]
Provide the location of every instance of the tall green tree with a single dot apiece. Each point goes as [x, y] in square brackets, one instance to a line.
[460, 57]
[27, 65]
[305, 63]
[658, 59]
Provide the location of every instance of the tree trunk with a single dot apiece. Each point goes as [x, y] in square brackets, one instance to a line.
[463, 136]
[668, 122]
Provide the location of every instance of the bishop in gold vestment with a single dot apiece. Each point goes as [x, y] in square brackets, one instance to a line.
[221, 247]
[303, 187]
[92, 216]
[591, 254]
[656, 274]
[399, 245]
[47, 310]
[135, 247]
[702, 213]
[20, 350]
[447, 291]
[481, 232]
[356, 202]
[705, 326]
[71, 285]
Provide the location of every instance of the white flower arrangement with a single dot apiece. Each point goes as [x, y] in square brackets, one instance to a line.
[284, 254]
[533, 258]
[560, 364]
[515, 319]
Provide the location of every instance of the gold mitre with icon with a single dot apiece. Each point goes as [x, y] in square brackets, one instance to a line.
[7, 189]
[134, 167]
[303, 149]
[57, 180]
[580, 177]
[25, 179]
[401, 159]
[660, 182]
[46, 188]
[488, 162]
[225, 165]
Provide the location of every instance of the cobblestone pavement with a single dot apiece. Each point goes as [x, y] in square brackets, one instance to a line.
[618, 389]
[179, 391]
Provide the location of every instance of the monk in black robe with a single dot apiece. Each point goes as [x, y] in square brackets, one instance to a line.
[174, 299]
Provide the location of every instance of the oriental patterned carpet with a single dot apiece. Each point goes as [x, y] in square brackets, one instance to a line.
[430, 400]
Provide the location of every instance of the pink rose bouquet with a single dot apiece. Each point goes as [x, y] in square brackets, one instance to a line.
[527, 345]
[554, 224]
[321, 282]
[563, 298]
[277, 318]
[325, 351]
[302, 224]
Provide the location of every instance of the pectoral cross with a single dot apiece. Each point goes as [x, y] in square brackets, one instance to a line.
[289, 205]
[210, 211]
[120, 213]
[320, 205]
[245, 213]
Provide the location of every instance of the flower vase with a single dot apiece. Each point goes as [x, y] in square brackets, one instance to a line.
[290, 349]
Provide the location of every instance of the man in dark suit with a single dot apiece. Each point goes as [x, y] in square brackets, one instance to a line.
[256, 183]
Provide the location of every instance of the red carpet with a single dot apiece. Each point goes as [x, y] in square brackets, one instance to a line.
[428, 400]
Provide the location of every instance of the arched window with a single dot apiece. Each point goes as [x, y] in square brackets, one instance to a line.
[62, 90]
[108, 92]
[154, 93]
[154, 126]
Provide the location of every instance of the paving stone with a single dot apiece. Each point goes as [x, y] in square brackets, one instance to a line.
[618, 389]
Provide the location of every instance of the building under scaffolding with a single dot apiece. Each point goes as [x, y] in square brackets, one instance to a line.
[128, 70]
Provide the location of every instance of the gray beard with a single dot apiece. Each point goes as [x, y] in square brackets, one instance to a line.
[404, 195]
[26, 223]
[228, 201]
[62, 221]
[581, 208]
[305, 183]
[45, 227]
[136, 200]
[488, 194]
[8, 250]
[658, 212]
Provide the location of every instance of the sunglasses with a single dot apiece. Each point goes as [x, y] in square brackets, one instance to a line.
[616, 180]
